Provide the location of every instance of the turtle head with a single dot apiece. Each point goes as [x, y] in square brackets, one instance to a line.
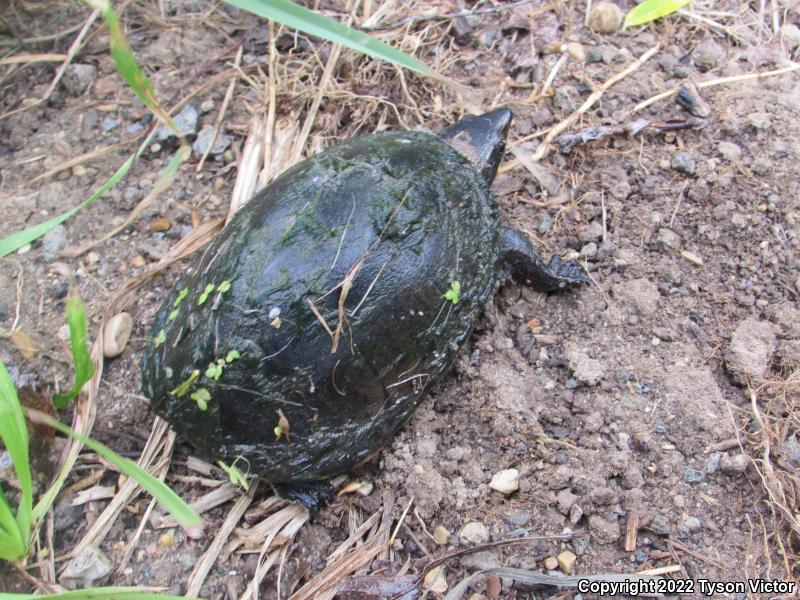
[481, 139]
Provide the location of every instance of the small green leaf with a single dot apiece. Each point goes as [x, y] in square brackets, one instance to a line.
[453, 292]
[232, 356]
[224, 286]
[206, 292]
[202, 397]
[160, 338]
[278, 432]
[183, 293]
[81, 361]
[235, 475]
[186, 385]
[650, 10]
[214, 370]
[173, 313]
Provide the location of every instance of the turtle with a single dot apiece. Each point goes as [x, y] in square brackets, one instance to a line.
[310, 329]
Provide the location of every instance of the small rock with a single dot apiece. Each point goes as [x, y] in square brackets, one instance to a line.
[566, 561]
[108, 124]
[688, 525]
[551, 563]
[729, 151]
[480, 561]
[734, 465]
[790, 34]
[185, 122]
[683, 162]
[505, 481]
[667, 237]
[691, 475]
[86, 569]
[589, 250]
[53, 242]
[660, 524]
[159, 225]
[441, 535]
[603, 530]
[116, 334]
[585, 369]
[545, 222]
[155, 249]
[518, 519]
[713, 462]
[692, 257]
[78, 78]
[221, 142]
[166, 539]
[708, 54]
[566, 499]
[750, 351]
[207, 105]
[435, 581]
[576, 51]
[605, 17]
[592, 232]
[474, 532]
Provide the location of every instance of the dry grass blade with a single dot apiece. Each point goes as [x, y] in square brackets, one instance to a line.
[31, 58]
[343, 565]
[155, 457]
[218, 123]
[247, 177]
[204, 503]
[203, 566]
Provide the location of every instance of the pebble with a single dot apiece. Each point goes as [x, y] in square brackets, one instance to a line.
[592, 232]
[545, 223]
[713, 462]
[166, 539]
[585, 369]
[566, 561]
[160, 224]
[589, 250]
[660, 524]
[688, 525]
[566, 500]
[435, 581]
[692, 475]
[667, 237]
[185, 122]
[605, 17]
[576, 51]
[683, 162]
[86, 569]
[116, 334]
[108, 124]
[441, 535]
[693, 258]
[734, 465]
[730, 151]
[474, 532]
[155, 249]
[518, 519]
[207, 106]
[551, 563]
[708, 54]
[53, 242]
[505, 481]
[750, 350]
[78, 77]
[480, 561]
[221, 142]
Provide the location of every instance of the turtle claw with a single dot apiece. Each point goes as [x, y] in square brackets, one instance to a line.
[311, 494]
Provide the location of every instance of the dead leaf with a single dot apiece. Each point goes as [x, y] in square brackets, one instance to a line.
[24, 343]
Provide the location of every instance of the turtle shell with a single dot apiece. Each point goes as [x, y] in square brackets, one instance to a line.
[308, 331]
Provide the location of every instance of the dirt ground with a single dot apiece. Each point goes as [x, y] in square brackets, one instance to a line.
[645, 402]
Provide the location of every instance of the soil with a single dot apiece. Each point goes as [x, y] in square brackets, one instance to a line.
[615, 402]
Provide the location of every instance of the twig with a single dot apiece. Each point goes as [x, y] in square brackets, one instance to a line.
[218, 123]
[715, 82]
[544, 147]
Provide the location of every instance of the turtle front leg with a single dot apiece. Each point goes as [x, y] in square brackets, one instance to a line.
[520, 259]
[310, 494]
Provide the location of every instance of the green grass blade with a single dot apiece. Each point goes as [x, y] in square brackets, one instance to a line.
[158, 489]
[81, 362]
[298, 17]
[650, 10]
[126, 64]
[14, 434]
[12, 546]
[17, 240]
[102, 593]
